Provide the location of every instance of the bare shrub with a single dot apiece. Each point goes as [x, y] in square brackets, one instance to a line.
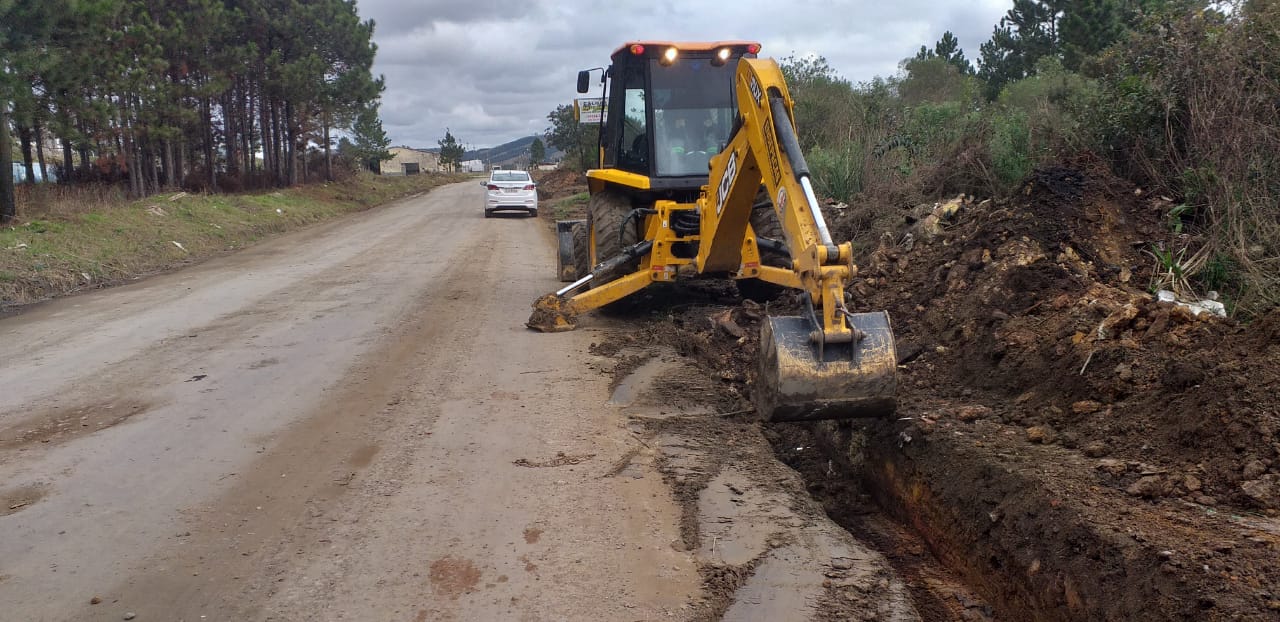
[1193, 112]
[60, 200]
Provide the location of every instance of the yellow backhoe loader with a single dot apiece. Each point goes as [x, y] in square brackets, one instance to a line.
[672, 112]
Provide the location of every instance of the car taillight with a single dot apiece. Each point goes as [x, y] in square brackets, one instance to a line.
[492, 187]
[529, 187]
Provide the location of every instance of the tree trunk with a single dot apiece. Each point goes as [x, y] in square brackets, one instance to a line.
[44, 170]
[8, 209]
[24, 140]
[84, 150]
[328, 156]
[264, 131]
[170, 179]
[180, 162]
[229, 133]
[292, 147]
[209, 158]
[67, 162]
[277, 150]
[246, 129]
[153, 172]
[126, 152]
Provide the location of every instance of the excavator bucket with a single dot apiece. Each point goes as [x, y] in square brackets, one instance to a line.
[799, 381]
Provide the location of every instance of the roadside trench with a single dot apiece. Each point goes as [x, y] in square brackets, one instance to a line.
[950, 515]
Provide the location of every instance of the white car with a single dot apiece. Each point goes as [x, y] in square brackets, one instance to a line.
[510, 191]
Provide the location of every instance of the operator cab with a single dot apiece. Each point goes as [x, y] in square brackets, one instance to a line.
[669, 108]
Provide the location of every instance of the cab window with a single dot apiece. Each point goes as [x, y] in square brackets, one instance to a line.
[693, 112]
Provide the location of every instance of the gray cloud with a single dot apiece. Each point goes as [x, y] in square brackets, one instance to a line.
[491, 70]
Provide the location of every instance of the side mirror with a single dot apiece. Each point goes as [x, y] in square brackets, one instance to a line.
[584, 81]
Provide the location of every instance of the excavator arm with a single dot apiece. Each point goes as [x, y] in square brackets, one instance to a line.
[829, 363]
[765, 150]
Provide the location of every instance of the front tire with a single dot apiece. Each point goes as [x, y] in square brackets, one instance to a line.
[488, 213]
[606, 212]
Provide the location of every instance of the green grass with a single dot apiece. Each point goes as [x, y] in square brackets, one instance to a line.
[571, 207]
[52, 255]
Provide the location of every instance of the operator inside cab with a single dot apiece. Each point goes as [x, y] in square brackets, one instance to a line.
[687, 138]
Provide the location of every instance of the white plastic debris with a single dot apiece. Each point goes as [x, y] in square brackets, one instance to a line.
[1197, 307]
[179, 245]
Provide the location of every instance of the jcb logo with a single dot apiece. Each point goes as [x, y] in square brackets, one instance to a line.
[726, 181]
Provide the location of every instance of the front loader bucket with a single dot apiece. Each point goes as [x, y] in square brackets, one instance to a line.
[851, 381]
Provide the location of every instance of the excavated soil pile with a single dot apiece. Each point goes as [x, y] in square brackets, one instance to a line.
[1070, 446]
[1036, 310]
[559, 183]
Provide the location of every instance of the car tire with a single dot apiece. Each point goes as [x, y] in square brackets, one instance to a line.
[488, 213]
[605, 213]
[533, 213]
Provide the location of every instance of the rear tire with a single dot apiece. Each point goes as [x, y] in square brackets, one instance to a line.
[605, 214]
[765, 223]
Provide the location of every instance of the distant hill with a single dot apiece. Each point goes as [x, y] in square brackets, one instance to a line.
[507, 154]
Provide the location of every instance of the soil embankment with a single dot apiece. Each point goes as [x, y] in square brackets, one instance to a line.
[1068, 444]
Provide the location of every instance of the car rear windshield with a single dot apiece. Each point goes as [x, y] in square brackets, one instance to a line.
[512, 176]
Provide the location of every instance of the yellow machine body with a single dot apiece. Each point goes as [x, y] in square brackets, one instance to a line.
[831, 363]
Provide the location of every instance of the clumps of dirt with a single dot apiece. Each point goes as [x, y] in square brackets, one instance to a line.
[550, 315]
[559, 183]
[1037, 307]
[561, 459]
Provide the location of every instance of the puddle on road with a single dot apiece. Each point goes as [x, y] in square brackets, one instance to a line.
[640, 380]
[654, 389]
[782, 588]
[736, 518]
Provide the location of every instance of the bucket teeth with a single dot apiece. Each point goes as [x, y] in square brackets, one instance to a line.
[856, 380]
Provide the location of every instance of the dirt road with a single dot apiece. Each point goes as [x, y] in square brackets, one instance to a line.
[349, 422]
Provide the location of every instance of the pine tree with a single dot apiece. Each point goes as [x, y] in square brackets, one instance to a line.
[370, 142]
[451, 151]
[1027, 33]
[1089, 27]
[948, 49]
[537, 152]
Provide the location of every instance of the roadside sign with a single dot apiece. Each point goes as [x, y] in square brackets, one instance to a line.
[589, 109]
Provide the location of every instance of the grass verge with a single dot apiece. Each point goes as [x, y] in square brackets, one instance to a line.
[57, 252]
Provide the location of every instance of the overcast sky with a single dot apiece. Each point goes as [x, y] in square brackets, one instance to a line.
[491, 70]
